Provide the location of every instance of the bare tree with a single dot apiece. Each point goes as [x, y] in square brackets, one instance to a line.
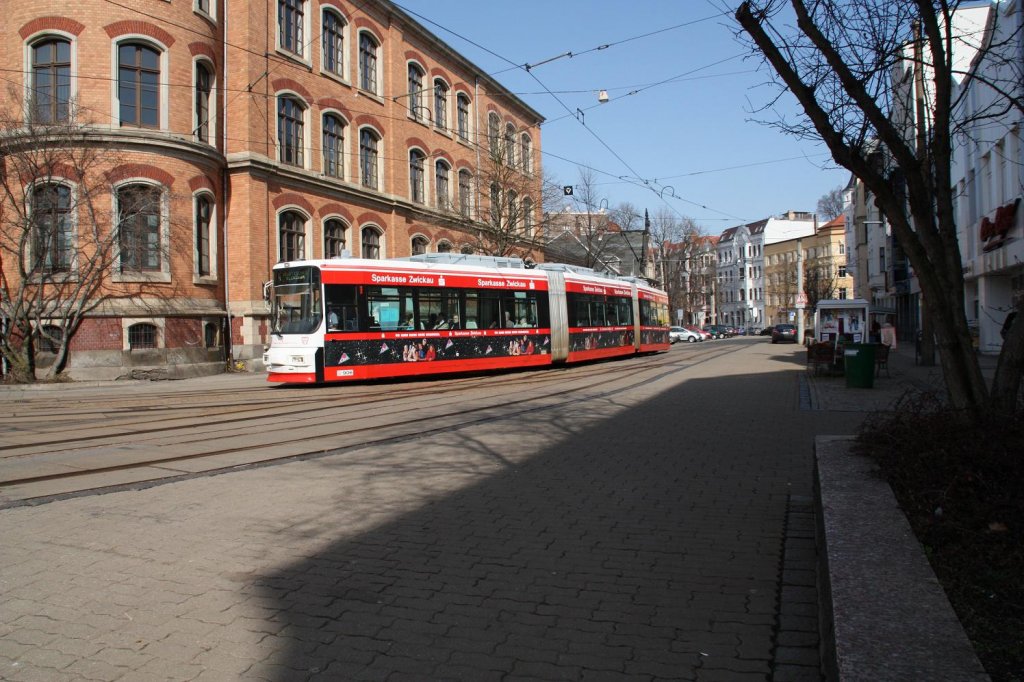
[830, 205]
[837, 63]
[507, 193]
[674, 243]
[581, 234]
[58, 240]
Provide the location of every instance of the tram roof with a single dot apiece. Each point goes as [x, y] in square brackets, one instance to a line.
[472, 264]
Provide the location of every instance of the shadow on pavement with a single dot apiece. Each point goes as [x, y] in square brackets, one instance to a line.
[640, 546]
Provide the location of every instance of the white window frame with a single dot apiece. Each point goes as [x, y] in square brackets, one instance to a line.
[345, 142]
[213, 108]
[415, 107]
[306, 222]
[346, 44]
[349, 236]
[41, 36]
[72, 273]
[358, 175]
[381, 235]
[214, 239]
[379, 66]
[306, 129]
[159, 323]
[164, 274]
[306, 43]
[115, 103]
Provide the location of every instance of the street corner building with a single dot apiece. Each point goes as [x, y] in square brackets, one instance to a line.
[200, 142]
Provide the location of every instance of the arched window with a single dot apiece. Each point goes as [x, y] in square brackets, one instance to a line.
[204, 250]
[415, 91]
[139, 227]
[527, 217]
[462, 102]
[334, 238]
[440, 104]
[52, 238]
[138, 85]
[334, 43]
[370, 238]
[334, 146]
[51, 80]
[510, 145]
[512, 219]
[526, 152]
[368, 62]
[495, 205]
[204, 86]
[419, 244]
[290, 24]
[368, 142]
[416, 175]
[465, 193]
[442, 172]
[291, 135]
[142, 335]
[292, 230]
[444, 247]
[494, 135]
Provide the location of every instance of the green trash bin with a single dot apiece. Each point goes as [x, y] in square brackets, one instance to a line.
[859, 363]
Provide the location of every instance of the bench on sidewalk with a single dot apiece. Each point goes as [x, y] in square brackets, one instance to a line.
[821, 357]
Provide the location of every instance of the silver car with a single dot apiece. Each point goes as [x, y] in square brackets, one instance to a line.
[683, 334]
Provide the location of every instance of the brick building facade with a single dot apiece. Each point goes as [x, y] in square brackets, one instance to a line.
[264, 131]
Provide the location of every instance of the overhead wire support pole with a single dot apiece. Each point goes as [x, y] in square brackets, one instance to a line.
[550, 59]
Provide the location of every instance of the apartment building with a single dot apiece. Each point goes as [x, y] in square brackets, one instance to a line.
[989, 180]
[822, 257]
[238, 135]
[741, 265]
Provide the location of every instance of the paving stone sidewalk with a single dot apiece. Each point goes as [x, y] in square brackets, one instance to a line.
[639, 537]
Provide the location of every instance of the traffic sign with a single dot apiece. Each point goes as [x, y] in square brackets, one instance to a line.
[801, 300]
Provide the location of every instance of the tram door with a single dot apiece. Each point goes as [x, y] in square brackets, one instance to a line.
[559, 316]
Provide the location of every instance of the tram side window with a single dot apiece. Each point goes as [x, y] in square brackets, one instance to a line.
[389, 308]
[342, 310]
[653, 314]
[625, 306]
[579, 310]
[483, 309]
[646, 314]
[439, 309]
[521, 307]
[598, 311]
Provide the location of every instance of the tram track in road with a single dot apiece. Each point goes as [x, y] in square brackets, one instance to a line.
[260, 423]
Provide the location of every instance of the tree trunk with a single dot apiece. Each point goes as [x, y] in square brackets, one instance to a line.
[1009, 370]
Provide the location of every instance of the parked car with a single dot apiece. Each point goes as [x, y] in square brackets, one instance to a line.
[741, 331]
[781, 333]
[717, 331]
[683, 334]
[704, 335]
[767, 331]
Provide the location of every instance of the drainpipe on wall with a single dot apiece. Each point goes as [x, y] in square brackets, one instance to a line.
[229, 345]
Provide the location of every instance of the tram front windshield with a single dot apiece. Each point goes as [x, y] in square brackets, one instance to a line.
[297, 304]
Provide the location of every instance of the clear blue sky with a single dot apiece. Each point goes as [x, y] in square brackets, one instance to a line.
[689, 130]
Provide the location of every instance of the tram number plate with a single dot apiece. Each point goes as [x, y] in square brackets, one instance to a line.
[346, 372]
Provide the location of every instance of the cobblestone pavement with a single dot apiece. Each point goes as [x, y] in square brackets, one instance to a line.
[660, 534]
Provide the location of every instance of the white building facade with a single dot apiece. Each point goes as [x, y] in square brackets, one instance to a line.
[741, 277]
[988, 178]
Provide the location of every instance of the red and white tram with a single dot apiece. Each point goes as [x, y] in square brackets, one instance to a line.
[352, 319]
